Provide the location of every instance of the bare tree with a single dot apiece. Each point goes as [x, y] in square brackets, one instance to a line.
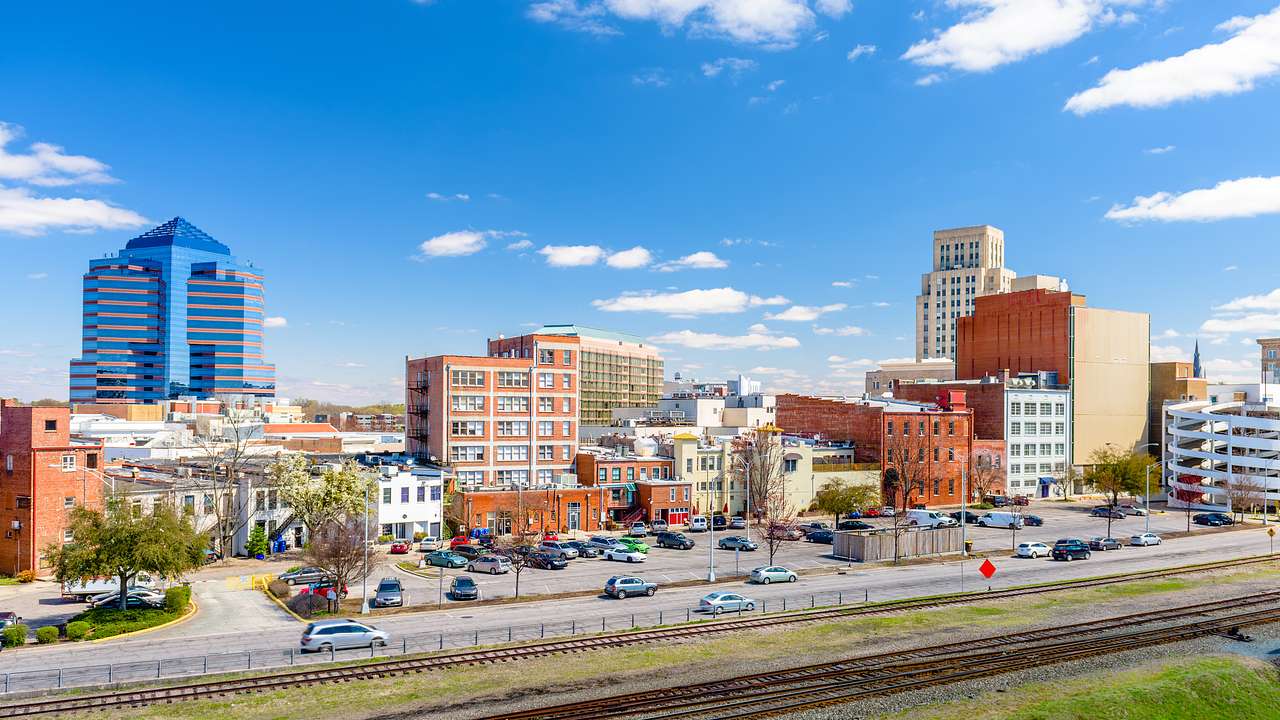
[757, 463]
[779, 516]
[908, 469]
[516, 536]
[1244, 495]
[225, 455]
[987, 473]
[338, 548]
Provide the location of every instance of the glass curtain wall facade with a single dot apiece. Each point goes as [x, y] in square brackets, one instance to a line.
[172, 314]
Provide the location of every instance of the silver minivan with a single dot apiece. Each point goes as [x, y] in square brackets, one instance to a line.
[559, 549]
[327, 635]
[492, 564]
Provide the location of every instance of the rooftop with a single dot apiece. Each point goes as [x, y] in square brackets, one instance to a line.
[584, 331]
[180, 233]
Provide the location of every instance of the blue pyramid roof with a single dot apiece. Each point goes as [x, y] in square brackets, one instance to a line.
[178, 232]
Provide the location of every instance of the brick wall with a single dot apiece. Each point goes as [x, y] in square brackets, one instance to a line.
[833, 420]
[1025, 331]
[985, 399]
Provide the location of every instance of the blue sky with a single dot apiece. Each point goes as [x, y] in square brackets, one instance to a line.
[751, 184]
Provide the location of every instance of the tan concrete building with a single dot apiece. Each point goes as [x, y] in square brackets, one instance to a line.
[881, 380]
[968, 263]
[1270, 360]
[1172, 382]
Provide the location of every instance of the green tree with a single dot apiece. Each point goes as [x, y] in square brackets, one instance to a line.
[1114, 472]
[257, 543]
[114, 543]
[840, 497]
[316, 499]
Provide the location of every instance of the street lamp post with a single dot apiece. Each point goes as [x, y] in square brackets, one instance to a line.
[1146, 497]
[364, 581]
[748, 488]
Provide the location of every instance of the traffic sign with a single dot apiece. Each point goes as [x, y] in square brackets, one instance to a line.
[987, 568]
[1271, 532]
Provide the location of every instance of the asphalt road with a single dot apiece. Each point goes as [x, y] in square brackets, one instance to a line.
[237, 620]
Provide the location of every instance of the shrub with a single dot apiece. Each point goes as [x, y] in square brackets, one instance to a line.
[14, 636]
[177, 598]
[257, 542]
[418, 536]
[108, 622]
[77, 630]
[27, 576]
[47, 634]
[307, 604]
[384, 539]
[280, 589]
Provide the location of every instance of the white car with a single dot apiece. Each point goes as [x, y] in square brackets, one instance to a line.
[623, 554]
[1033, 550]
[1145, 539]
[718, 602]
[638, 529]
[1132, 510]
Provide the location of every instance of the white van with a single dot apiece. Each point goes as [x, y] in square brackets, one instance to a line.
[930, 518]
[697, 523]
[1000, 519]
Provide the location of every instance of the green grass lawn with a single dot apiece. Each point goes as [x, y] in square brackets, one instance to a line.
[1227, 688]
[6, 580]
[108, 622]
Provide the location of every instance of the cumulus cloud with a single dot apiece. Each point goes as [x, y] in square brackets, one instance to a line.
[37, 275]
[1246, 197]
[688, 303]
[587, 17]
[805, 313]
[1160, 150]
[440, 197]
[520, 245]
[458, 243]
[770, 23]
[636, 257]
[1266, 301]
[735, 66]
[653, 78]
[715, 341]
[24, 213]
[1168, 353]
[1251, 323]
[701, 260]
[927, 80]
[1226, 68]
[844, 331]
[275, 322]
[860, 50]
[46, 164]
[773, 86]
[572, 255]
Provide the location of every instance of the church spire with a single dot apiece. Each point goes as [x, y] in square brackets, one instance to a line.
[1196, 370]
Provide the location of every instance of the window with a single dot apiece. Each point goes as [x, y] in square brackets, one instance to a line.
[386, 496]
[951, 427]
[546, 380]
[1059, 428]
[1046, 428]
[545, 428]
[1045, 467]
[951, 486]
[672, 495]
[935, 454]
[68, 462]
[1015, 469]
[513, 477]
[70, 501]
[564, 452]
[889, 428]
[68, 536]
[565, 406]
[548, 452]
[686, 493]
[513, 379]
[1029, 449]
[466, 453]
[422, 493]
[1046, 408]
[468, 403]
[566, 428]
[937, 427]
[468, 378]
[466, 428]
[1059, 409]
[921, 433]
[789, 466]
[91, 461]
[566, 381]
[1015, 428]
[1015, 408]
[1059, 448]
[1015, 451]
[8, 463]
[1046, 449]
[545, 405]
[207, 504]
[513, 428]
[435, 493]
[631, 474]
[546, 476]
[568, 357]
[919, 455]
[513, 403]
[50, 425]
[513, 452]
[951, 454]
[470, 477]
[404, 494]
[688, 465]
[937, 486]
[546, 357]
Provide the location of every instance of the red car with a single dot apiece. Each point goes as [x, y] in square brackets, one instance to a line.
[550, 535]
[322, 588]
[459, 540]
[399, 547]
[871, 512]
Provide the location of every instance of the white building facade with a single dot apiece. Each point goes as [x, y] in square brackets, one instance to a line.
[1211, 447]
[410, 501]
[1037, 436]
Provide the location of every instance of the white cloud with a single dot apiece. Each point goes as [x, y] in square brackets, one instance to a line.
[1253, 323]
[701, 260]
[836, 358]
[1170, 333]
[1246, 197]
[636, 257]
[588, 17]
[996, 32]
[843, 331]
[860, 50]
[930, 79]
[760, 328]
[734, 65]
[834, 8]
[1268, 301]
[653, 78]
[1231, 268]
[715, 341]
[1160, 150]
[773, 86]
[23, 213]
[1223, 365]
[805, 313]
[841, 283]
[520, 245]
[46, 165]
[688, 303]
[572, 255]
[350, 365]
[275, 322]
[880, 304]
[1168, 353]
[1226, 68]
[439, 197]
[37, 275]
[772, 23]
[456, 244]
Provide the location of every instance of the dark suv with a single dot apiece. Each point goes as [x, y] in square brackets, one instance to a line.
[1071, 549]
[676, 540]
[1212, 519]
[547, 561]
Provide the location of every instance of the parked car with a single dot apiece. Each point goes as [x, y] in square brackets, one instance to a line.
[1224, 517]
[718, 602]
[737, 522]
[1033, 550]
[1071, 549]
[559, 548]
[390, 593]
[550, 535]
[325, 635]
[1128, 509]
[1145, 539]
[772, 574]
[790, 533]
[1000, 519]
[807, 528]
[997, 500]
[585, 550]
[624, 586]
[428, 544]
[135, 599]
[638, 529]
[719, 522]
[888, 511]
[445, 559]
[492, 564]
[212, 556]
[303, 575]
[1032, 520]
[1021, 500]
[1110, 512]
[1101, 543]
[547, 561]
[736, 542]
[97, 599]
[658, 526]
[676, 540]
[400, 547]
[8, 619]
[322, 588]
[603, 542]
[872, 512]
[825, 537]
[854, 525]
[967, 516]
[624, 554]
[462, 587]
[1212, 519]
[930, 518]
[697, 523]
[470, 552]
[634, 544]
[457, 540]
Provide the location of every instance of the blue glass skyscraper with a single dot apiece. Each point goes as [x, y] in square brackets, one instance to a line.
[172, 314]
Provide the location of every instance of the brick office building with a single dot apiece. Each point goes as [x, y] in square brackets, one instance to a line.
[937, 438]
[44, 476]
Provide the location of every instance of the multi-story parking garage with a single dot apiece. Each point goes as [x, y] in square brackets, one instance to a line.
[1222, 454]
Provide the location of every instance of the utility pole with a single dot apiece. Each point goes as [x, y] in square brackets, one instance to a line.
[964, 517]
[364, 582]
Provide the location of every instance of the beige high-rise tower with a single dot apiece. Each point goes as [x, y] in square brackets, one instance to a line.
[967, 262]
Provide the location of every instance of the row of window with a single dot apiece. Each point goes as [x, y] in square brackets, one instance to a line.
[1019, 468]
[420, 496]
[905, 455]
[922, 427]
[507, 453]
[510, 403]
[1017, 408]
[1029, 449]
[1045, 428]
[476, 378]
[67, 461]
[705, 462]
[471, 478]
[659, 473]
[548, 357]
[509, 428]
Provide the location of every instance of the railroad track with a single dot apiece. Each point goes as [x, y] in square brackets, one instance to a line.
[385, 668]
[788, 691]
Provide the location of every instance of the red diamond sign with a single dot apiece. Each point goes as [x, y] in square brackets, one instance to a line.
[987, 568]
